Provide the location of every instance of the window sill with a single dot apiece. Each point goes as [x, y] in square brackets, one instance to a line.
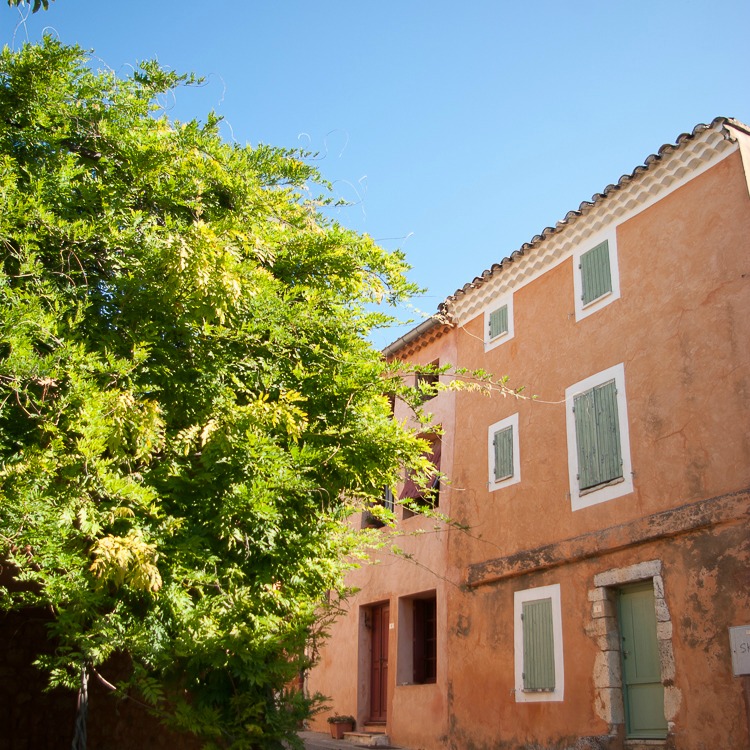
[597, 299]
[417, 684]
[611, 483]
[496, 339]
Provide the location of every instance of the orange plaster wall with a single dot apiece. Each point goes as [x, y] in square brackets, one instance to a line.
[703, 603]
[681, 328]
[414, 711]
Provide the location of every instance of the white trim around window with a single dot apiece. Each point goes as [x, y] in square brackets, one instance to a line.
[584, 310]
[512, 423]
[497, 302]
[519, 597]
[617, 488]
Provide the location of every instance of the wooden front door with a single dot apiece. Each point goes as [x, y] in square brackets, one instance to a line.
[379, 663]
[643, 692]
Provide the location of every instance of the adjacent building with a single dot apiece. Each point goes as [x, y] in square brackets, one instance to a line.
[600, 549]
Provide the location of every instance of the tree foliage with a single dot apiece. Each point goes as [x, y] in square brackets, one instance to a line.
[188, 402]
[35, 4]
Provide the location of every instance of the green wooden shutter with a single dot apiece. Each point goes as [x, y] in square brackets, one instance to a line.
[503, 444]
[498, 321]
[607, 432]
[598, 435]
[588, 459]
[641, 668]
[538, 645]
[596, 277]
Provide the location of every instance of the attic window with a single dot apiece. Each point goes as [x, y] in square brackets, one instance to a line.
[498, 321]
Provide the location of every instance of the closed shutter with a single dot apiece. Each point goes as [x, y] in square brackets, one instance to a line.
[597, 435]
[498, 321]
[538, 646]
[503, 444]
[596, 277]
[588, 458]
[608, 431]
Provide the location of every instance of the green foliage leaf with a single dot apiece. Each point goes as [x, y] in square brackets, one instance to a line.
[188, 402]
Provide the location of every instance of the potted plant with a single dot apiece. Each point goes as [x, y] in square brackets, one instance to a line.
[340, 724]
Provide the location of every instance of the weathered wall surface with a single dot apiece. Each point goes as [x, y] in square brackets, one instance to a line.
[705, 584]
[678, 328]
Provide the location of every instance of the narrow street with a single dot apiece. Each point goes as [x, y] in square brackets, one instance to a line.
[322, 741]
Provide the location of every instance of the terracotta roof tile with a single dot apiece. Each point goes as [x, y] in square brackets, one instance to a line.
[597, 198]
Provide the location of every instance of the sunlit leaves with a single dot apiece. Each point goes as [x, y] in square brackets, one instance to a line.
[189, 408]
[120, 560]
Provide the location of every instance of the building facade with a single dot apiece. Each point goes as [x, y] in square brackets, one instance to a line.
[598, 555]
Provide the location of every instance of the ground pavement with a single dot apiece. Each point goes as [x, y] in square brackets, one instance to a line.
[320, 741]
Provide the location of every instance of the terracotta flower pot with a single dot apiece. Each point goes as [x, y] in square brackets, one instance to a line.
[339, 727]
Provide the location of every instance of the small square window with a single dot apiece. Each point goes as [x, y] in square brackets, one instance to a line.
[596, 279]
[498, 322]
[596, 275]
[503, 460]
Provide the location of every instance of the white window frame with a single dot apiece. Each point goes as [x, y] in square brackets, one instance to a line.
[511, 421]
[519, 597]
[617, 487]
[583, 311]
[496, 304]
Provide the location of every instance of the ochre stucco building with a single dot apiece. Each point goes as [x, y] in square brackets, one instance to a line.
[603, 556]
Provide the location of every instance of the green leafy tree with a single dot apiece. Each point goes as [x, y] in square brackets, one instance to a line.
[35, 4]
[188, 402]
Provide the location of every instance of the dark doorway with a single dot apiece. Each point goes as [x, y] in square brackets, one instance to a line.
[380, 615]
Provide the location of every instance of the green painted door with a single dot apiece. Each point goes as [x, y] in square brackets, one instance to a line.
[641, 673]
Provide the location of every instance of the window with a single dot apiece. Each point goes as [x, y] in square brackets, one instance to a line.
[596, 275]
[596, 280]
[598, 444]
[417, 652]
[426, 381]
[373, 520]
[392, 402]
[425, 640]
[538, 646]
[502, 453]
[498, 322]
[429, 495]
[597, 435]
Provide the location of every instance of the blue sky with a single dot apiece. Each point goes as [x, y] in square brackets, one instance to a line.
[457, 130]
